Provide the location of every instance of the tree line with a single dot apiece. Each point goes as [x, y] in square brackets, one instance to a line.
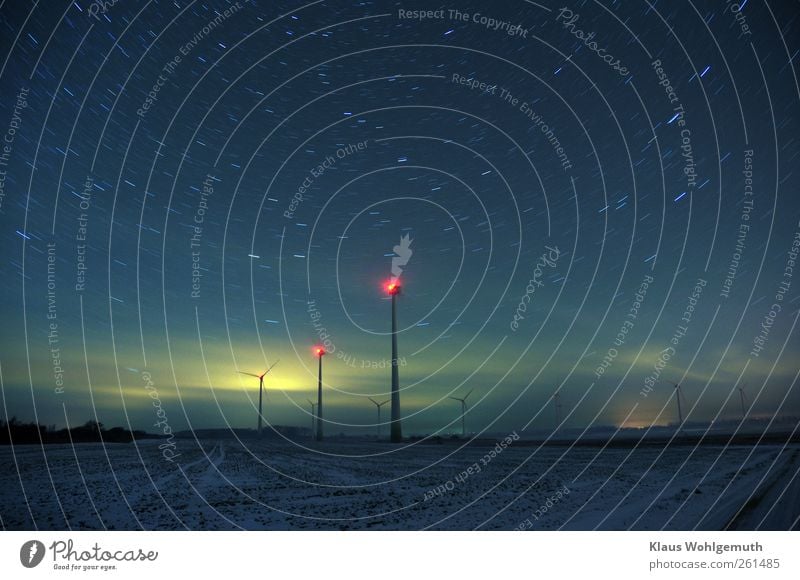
[20, 433]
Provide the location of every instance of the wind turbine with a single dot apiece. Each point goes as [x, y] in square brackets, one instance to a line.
[319, 352]
[393, 288]
[260, 390]
[557, 405]
[313, 416]
[741, 398]
[378, 405]
[678, 398]
[463, 411]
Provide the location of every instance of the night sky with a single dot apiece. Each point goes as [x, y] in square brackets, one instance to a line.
[601, 200]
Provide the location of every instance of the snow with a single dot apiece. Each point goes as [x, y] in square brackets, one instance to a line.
[227, 484]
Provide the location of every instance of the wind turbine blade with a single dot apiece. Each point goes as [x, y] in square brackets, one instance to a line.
[273, 364]
[468, 394]
[455, 399]
[374, 402]
[386, 401]
[249, 374]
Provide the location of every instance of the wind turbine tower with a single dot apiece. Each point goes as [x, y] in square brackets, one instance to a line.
[313, 417]
[320, 352]
[678, 399]
[378, 405]
[463, 411]
[393, 288]
[741, 398]
[557, 405]
[260, 392]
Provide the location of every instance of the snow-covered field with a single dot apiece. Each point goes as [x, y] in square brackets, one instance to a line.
[344, 485]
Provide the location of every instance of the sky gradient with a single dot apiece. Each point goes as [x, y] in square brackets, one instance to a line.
[195, 189]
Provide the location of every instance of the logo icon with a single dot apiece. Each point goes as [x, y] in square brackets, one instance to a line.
[402, 255]
[31, 553]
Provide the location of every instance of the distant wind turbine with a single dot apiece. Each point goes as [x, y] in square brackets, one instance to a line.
[557, 405]
[313, 416]
[678, 399]
[463, 411]
[741, 398]
[260, 391]
[379, 405]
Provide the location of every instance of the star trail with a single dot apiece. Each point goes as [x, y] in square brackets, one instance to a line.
[595, 200]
